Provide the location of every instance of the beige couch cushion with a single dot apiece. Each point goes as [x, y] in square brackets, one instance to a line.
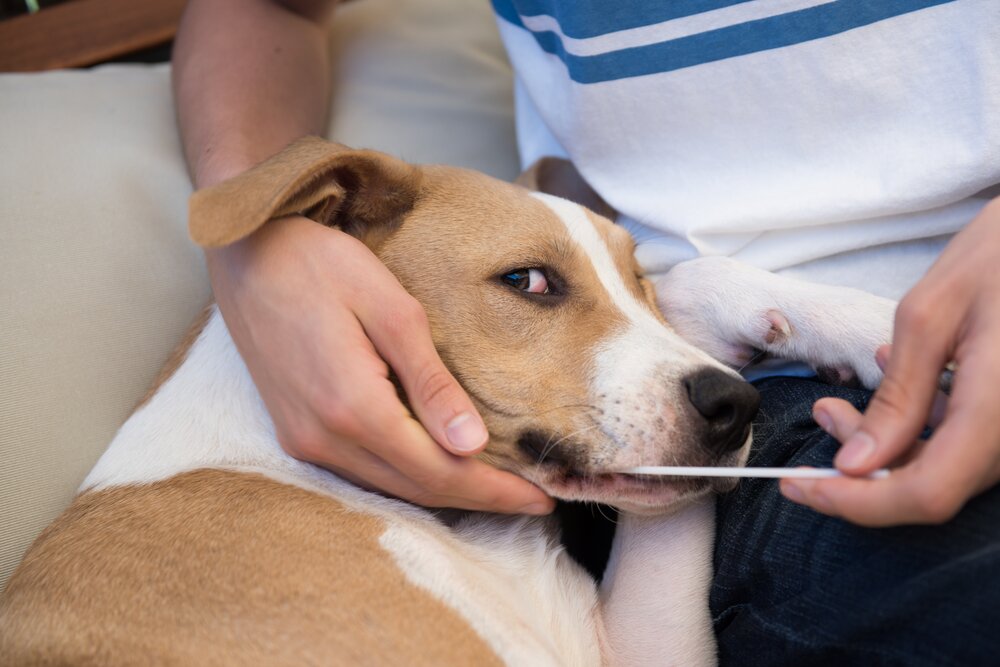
[97, 277]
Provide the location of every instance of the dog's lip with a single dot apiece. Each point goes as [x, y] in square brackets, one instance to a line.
[627, 481]
[614, 487]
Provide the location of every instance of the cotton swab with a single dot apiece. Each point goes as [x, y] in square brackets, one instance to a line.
[771, 473]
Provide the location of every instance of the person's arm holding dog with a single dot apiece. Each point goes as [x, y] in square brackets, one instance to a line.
[317, 318]
[952, 314]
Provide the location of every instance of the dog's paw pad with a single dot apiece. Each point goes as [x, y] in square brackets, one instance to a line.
[843, 376]
[779, 330]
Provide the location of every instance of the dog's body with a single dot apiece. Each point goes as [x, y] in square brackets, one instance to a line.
[197, 539]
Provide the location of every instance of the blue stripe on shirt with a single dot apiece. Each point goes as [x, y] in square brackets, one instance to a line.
[732, 41]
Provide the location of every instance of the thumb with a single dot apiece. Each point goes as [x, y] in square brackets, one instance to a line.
[442, 406]
[898, 410]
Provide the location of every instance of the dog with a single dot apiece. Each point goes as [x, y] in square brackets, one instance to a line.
[197, 540]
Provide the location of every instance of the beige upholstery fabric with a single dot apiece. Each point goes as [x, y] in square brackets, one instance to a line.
[97, 277]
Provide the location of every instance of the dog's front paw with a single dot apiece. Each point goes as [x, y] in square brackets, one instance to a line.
[841, 352]
[711, 303]
[735, 312]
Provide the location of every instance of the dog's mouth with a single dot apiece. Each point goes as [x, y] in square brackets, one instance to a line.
[563, 473]
[622, 489]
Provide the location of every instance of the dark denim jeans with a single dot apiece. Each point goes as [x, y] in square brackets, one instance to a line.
[794, 587]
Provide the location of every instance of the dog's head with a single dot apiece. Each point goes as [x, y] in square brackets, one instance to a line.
[539, 309]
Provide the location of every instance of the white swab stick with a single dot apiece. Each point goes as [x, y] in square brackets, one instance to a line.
[774, 473]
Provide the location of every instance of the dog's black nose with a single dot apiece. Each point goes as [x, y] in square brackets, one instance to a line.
[726, 403]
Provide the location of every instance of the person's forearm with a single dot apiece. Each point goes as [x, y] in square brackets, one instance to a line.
[250, 76]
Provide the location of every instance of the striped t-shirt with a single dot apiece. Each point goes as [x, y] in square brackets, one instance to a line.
[842, 141]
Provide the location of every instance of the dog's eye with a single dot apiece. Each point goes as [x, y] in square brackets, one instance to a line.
[527, 280]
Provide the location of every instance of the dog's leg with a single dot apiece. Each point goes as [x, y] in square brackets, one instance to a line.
[732, 311]
[654, 596]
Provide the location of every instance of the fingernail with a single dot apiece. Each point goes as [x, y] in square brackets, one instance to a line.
[858, 448]
[793, 493]
[466, 433]
[824, 421]
[536, 508]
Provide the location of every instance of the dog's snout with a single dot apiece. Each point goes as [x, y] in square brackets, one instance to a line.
[727, 404]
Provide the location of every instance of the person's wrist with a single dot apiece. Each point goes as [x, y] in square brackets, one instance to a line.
[227, 263]
[213, 168]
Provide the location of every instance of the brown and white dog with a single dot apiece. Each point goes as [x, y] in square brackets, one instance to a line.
[197, 540]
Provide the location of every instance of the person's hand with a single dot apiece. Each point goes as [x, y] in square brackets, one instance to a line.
[952, 314]
[317, 318]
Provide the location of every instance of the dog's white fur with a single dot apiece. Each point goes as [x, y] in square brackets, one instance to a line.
[655, 590]
[505, 575]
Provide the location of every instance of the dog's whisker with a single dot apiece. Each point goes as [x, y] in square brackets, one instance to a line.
[545, 451]
[541, 457]
[600, 510]
[549, 446]
[754, 359]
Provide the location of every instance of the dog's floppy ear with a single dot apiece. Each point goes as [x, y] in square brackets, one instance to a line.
[357, 190]
[557, 176]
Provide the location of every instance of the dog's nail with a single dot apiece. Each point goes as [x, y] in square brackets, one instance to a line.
[466, 433]
[836, 375]
[858, 448]
[780, 328]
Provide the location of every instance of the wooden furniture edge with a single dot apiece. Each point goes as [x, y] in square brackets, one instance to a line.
[85, 32]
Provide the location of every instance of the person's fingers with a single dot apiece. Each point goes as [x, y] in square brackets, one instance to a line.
[899, 408]
[397, 326]
[402, 336]
[476, 484]
[935, 483]
[488, 489]
[366, 470]
[837, 417]
[929, 489]
[366, 436]
[374, 420]
[841, 419]
[938, 409]
[944, 384]
[969, 423]
[940, 403]
[882, 355]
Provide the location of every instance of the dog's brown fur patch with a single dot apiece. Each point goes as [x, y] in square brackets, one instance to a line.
[217, 567]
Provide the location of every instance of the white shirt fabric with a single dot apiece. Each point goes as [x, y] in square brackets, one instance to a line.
[838, 141]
